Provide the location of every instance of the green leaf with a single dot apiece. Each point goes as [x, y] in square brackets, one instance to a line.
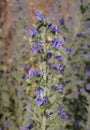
[38, 36]
[38, 24]
[83, 9]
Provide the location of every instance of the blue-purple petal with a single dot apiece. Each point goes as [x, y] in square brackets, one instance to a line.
[39, 15]
[39, 100]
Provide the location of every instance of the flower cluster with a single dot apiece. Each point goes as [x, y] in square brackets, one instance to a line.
[64, 114]
[54, 55]
[40, 99]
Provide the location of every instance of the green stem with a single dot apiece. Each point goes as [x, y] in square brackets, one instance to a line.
[43, 127]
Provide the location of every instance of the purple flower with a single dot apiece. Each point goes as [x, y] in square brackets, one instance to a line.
[61, 39]
[70, 17]
[34, 49]
[60, 88]
[88, 86]
[33, 32]
[88, 71]
[68, 81]
[32, 73]
[54, 67]
[24, 128]
[45, 101]
[79, 35]
[54, 29]
[39, 16]
[59, 67]
[75, 68]
[63, 115]
[58, 57]
[53, 88]
[56, 43]
[69, 119]
[88, 25]
[65, 38]
[61, 109]
[88, 31]
[83, 81]
[49, 25]
[88, 55]
[30, 126]
[48, 55]
[24, 53]
[37, 47]
[6, 123]
[82, 90]
[76, 94]
[68, 50]
[39, 100]
[85, 47]
[77, 123]
[61, 21]
[39, 91]
[49, 114]
[0, 128]
[27, 108]
[81, 1]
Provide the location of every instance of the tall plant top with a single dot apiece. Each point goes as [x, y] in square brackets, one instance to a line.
[54, 79]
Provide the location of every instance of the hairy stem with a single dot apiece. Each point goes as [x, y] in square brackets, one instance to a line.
[43, 126]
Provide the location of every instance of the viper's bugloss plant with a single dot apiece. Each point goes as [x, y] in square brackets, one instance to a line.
[58, 75]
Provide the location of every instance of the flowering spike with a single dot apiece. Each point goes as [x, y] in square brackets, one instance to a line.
[39, 16]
